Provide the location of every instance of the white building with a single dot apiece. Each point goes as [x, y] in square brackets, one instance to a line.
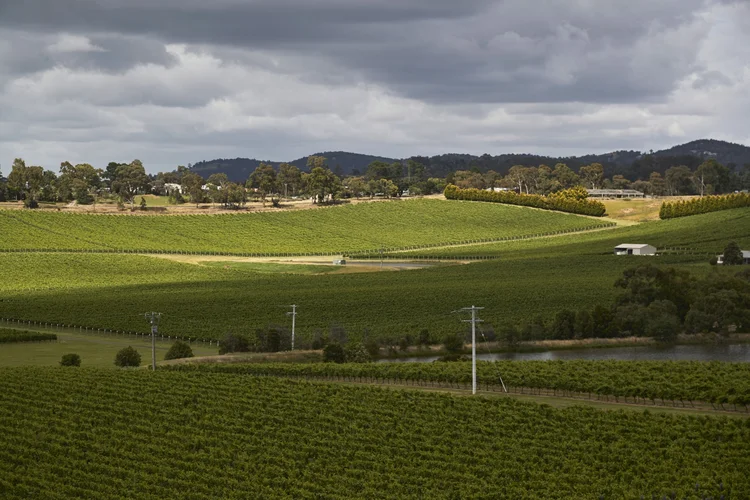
[635, 249]
[745, 257]
[172, 187]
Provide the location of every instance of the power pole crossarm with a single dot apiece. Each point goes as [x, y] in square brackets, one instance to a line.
[474, 320]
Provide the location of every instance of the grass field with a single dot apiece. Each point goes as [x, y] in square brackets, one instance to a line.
[95, 350]
[107, 434]
[326, 230]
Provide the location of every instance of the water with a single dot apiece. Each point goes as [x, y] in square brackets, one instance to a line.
[699, 352]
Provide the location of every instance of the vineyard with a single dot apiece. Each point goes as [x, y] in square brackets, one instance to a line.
[704, 235]
[343, 229]
[685, 381]
[85, 433]
[80, 289]
[8, 336]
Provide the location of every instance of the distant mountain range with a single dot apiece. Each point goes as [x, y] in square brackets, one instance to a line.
[632, 164]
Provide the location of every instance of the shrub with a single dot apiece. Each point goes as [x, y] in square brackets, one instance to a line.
[565, 201]
[453, 343]
[234, 342]
[733, 255]
[179, 350]
[705, 204]
[128, 357]
[70, 360]
[334, 353]
[356, 352]
[30, 203]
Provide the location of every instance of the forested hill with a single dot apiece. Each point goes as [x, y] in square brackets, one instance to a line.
[632, 164]
[239, 169]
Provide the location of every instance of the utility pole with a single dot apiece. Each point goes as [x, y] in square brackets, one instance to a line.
[474, 320]
[153, 318]
[293, 314]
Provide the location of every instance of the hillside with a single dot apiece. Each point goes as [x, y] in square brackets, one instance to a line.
[533, 278]
[239, 169]
[363, 226]
[631, 164]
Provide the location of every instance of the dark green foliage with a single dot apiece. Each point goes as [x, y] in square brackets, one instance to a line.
[373, 348]
[733, 255]
[70, 360]
[143, 203]
[702, 205]
[453, 343]
[560, 203]
[424, 337]
[662, 322]
[356, 352]
[602, 322]
[647, 283]
[127, 358]
[234, 342]
[563, 327]
[9, 336]
[179, 350]
[509, 334]
[30, 203]
[334, 353]
[584, 325]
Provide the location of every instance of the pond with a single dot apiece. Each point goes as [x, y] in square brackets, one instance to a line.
[695, 352]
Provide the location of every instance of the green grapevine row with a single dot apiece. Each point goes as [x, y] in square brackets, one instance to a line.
[86, 433]
[714, 382]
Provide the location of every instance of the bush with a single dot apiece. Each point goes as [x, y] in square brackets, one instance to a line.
[234, 342]
[334, 353]
[70, 360]
[127, 357]
[733, 255]
[565, 201]
[356, 352]
[373, 348]
[453, 343]
[30, 203]
[179, 350]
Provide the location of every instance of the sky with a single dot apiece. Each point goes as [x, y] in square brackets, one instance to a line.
[173, 82]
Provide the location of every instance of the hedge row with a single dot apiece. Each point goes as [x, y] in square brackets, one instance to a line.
[573, 206]
[683, 208]
[8, 336]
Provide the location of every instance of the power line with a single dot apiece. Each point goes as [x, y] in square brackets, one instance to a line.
[153, 318]
[474, 320]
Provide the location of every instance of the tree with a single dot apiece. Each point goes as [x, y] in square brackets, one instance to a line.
[592, 175]
[317, 162]
[233, 342]
[263, 180]
[584, 325]
[453, 343]
[662, 322]
[678, 180]
[289, 177]
[509, 333]
[620, 182]
[563, 327]
[356, 186]
[192, 184]
[217, 188]
[179, 350]
[658, 184]
[127, 357]
[334, 353]
[321, 183]
[70, 360]
[236, 195]
[711, 177]
[733, 255]
[647, 283]
[356, 352]
[564, 176]
[130, 179]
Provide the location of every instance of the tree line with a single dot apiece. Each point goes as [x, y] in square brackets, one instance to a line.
[123, 182]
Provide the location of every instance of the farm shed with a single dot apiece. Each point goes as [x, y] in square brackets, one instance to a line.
[635, 249]
[615, 193]
[745, 257]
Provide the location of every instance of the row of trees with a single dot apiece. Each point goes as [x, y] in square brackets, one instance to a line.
[710, 177]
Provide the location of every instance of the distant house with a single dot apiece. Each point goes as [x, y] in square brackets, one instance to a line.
[498, 190]
[745, 257]
[635, 249]
[171, 187]
[615, 193]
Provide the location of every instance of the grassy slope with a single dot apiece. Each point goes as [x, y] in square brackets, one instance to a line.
[541, 277]
[335, 229]
[91, 433]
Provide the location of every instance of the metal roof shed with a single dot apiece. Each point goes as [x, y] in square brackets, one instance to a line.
[635, 249]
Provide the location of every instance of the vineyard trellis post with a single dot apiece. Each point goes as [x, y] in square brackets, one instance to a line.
[153, 318]
[474, 320]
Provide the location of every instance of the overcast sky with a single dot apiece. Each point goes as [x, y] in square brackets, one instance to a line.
[178, 81]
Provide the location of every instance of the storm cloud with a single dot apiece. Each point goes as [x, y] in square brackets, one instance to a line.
[177, 81]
